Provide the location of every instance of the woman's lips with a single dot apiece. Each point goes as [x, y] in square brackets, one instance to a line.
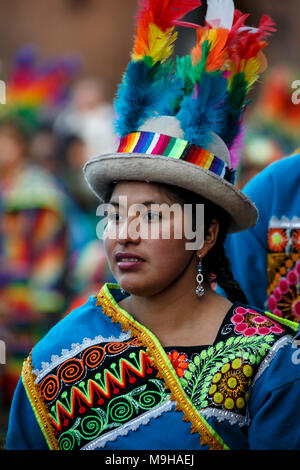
[129, 264]
[127, 260]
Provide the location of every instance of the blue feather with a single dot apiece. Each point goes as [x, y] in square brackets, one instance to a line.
[234, 108]
[203, 112]
[145, 92]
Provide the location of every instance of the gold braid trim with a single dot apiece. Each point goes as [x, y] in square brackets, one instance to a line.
[153, 350]
[37, 403]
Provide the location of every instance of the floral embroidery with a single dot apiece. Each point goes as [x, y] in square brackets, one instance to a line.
[237, 358]
[283, 267]
[249, 322]
[230, 385]
[277, 239]
[218, 378]
[179, 362]
[284, 285]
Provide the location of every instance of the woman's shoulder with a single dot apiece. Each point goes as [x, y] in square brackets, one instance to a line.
[275, 339]
[85, 324]
[251, 320]
[258, 337]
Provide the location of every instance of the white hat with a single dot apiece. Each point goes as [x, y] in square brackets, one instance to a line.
[101, 171]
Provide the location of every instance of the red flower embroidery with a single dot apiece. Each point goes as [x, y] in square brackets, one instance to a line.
[277, 239]
[249, 322]
[179, 362]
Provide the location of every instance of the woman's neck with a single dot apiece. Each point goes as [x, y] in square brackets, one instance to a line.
[178, 316]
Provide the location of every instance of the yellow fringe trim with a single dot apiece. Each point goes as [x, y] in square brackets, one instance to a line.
[177, 394]
[37, 403]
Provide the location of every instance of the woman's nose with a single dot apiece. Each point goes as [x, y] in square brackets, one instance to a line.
[129, 231]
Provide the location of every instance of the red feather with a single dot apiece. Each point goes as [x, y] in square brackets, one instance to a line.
[186, 24]
[245, 42]
[166, 13]
[266, 25]
[238, 22]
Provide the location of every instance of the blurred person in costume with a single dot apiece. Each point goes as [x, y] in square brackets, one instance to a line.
[89, 116]
[271, 248]
[44, 148]
[269, 270]
[72, 158]
[159, 360]
[272, 128]
[42, 229]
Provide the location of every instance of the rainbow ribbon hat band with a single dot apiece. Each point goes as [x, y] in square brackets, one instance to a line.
[152, 143]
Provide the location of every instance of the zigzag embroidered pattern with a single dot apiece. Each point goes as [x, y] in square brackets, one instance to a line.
[93, 392]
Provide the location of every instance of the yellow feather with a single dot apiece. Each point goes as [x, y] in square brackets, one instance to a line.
[159, 46]
[251, 70]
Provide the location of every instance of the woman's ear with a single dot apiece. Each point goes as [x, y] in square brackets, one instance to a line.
[210, 238]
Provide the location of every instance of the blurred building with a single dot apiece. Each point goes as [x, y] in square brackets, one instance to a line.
[100, 31]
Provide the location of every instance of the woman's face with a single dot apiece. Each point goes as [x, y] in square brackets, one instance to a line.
[152, 233]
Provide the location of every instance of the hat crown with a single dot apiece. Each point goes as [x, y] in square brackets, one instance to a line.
[169, 125]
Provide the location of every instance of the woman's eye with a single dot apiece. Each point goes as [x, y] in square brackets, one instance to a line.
[152, 216]
[113, 217]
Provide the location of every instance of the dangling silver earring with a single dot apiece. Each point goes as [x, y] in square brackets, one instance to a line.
[199, 278]
[123, 291]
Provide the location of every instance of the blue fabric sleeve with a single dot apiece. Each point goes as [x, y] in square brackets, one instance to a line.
[274, 401]
[276, 425]
[23, 432]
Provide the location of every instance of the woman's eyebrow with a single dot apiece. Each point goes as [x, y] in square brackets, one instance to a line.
[145, 203]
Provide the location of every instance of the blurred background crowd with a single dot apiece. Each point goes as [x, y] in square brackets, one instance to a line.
[61, 62]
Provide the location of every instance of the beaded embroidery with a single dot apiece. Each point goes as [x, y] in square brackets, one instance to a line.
[218, 379]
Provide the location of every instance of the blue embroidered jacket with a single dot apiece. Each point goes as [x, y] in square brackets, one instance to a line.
[92, 383]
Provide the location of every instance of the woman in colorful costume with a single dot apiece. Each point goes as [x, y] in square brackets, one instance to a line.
[140, 366]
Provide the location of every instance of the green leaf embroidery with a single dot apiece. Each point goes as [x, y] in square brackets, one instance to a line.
[203, 354]
[196, 360]
[202, 367]
[219, 345]
[188, 375]
[229, 341]
[183, 382]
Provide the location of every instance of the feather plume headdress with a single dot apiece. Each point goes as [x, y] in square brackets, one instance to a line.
[149, 85]
[203, 95]
[207, 90]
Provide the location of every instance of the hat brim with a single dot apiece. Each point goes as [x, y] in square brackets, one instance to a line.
[101, 171]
